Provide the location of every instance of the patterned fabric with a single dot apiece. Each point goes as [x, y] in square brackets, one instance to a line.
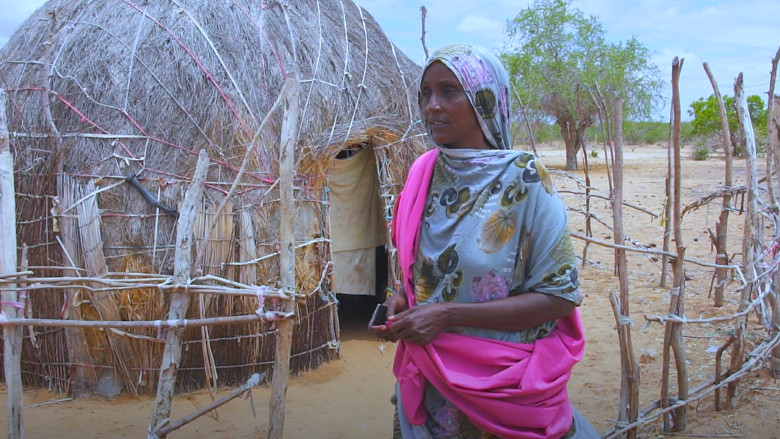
[493, 227]
[486, 84]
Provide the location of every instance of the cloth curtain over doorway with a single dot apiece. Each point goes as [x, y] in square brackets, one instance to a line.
[357, 225]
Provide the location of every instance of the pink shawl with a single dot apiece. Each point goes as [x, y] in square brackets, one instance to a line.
[515, 391]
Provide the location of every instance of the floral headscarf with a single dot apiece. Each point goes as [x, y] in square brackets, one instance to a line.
[485, 82]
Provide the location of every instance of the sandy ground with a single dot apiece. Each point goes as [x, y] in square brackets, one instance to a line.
[349, 398]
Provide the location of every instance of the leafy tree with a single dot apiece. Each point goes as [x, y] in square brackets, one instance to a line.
[553, 47]
[706, 118]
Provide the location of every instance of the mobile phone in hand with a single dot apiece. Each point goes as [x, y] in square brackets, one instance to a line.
[380, 315]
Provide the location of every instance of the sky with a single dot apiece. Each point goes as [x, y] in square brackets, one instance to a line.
[733, 36]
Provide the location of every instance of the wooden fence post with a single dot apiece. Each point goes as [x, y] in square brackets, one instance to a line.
[673, 339]
[629, 370]
[773, 112]
[775, 294]
[752, 237]
[667, 222]
[772, 157]
[722, 226]
[286, 258]
[12, 335]
[180, 300]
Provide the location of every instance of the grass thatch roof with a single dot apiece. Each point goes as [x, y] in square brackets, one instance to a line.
[197, 74]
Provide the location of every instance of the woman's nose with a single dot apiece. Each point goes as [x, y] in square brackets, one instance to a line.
[433, 103]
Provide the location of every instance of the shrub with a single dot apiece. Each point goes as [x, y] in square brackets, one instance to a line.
[700, 152]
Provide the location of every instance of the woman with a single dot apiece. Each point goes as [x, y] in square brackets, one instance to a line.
[486, 320]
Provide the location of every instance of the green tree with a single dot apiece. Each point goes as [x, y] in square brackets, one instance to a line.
[706, 118]
[553, 48]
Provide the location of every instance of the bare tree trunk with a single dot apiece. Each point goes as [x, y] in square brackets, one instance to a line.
[629, 372]
[286, 259]
[604, 137]
[569, 134]
[527, 120]
[722, 226]
[673, 332]
[752, 237]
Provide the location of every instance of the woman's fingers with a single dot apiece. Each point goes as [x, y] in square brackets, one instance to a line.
[418, 325]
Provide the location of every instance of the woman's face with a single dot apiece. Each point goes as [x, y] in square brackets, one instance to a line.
[447, 110]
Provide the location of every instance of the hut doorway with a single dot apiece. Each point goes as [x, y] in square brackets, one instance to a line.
[357, 225]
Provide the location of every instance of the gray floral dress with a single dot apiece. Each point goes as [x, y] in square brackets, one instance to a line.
[493, 228]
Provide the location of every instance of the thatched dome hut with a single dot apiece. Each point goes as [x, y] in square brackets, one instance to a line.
[102, 90]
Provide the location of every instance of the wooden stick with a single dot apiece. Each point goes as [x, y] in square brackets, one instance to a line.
[655, 252]
[678, 319]
[286, 259]
[718, 360]
[180, 301]
[772, 157]
[604, 197]
[525, 117]
[423, 14]
[162, 324]
[633, 206]
[604, 136]
[668, 203]
[56, 401]
[629, 372]
[27, 311]
[192, 289]
[753, 232]
[722, 226]
[253, 381]
[19, 274]
[773, 111]
[743, 313]
[677, 341]
[12, 337]
[47, 73]
[673, 340]
[609, 153]
[588, 219]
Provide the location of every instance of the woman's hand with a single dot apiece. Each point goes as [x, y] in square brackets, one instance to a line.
[421, 324]
[395, 304]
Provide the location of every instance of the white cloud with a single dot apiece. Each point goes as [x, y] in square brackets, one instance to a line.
[481, 25]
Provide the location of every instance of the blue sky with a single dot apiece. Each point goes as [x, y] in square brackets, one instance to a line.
[731, 35]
